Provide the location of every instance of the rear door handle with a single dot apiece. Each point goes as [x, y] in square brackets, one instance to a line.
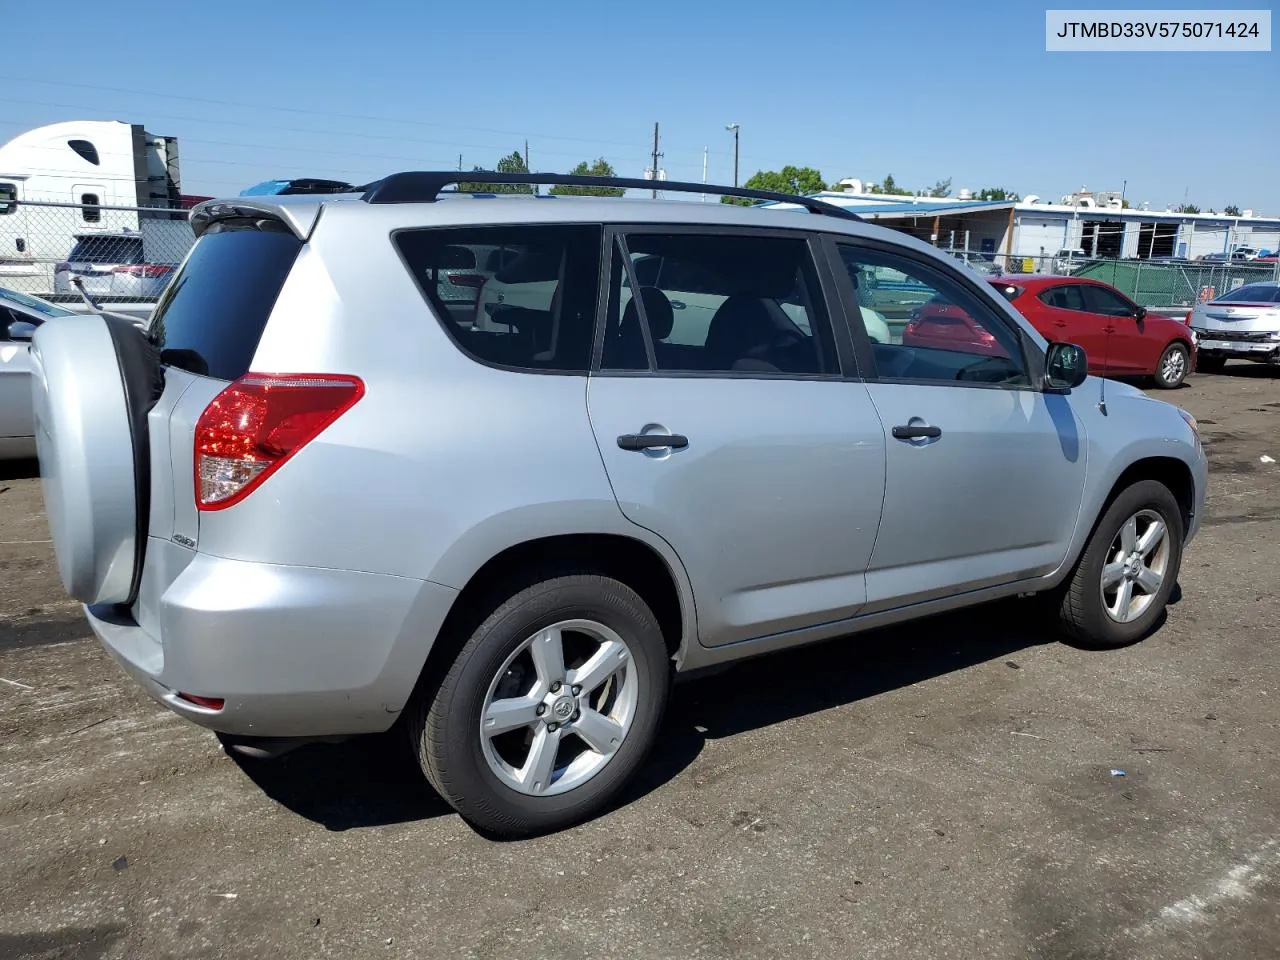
[916, 433]
[652, 441]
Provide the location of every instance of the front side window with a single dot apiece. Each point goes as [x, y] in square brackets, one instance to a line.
[717, 303]
[948, 334]
[1106, 302]
[518, 296]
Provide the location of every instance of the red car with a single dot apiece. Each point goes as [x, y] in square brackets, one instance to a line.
[1119, 337]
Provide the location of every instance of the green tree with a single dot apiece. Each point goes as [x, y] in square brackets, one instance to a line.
[996, 193]
[597, 168]
[793, 180]
[509, 164]
[1186, 208]
[1231, 210]
[940, 189]
[888, 186]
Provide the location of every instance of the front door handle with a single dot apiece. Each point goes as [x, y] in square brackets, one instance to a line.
[914, 432]
[652, 441]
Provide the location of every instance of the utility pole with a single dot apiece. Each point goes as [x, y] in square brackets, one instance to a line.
[656, 155]
[704, 171]
[527, 169]
[734, 127]
[459, 163]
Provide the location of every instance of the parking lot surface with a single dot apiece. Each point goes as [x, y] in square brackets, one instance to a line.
[952, 789]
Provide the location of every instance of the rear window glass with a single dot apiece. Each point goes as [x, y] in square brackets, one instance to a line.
[211, 316]
[530, 307]
[106, 249]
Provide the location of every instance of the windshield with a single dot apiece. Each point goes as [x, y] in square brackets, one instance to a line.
[1252, 293]
[34, 303]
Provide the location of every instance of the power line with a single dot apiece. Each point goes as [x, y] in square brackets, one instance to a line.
[327, 114]
[321, 133]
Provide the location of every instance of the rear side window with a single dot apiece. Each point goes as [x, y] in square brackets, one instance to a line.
[8, 196]
[211, 316]
[113, 250]
[1067, 297]
[531, 303]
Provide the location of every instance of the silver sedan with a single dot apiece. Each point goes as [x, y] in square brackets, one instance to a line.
[1243, 324]
[20, 315]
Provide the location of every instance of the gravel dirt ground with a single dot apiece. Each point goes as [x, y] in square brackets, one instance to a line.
[939, 791]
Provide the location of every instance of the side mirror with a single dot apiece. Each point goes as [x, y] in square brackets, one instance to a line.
[1065, 367]
[1140, 314]
[21, 330]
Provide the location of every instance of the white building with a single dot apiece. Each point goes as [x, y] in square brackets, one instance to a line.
[1033, 229]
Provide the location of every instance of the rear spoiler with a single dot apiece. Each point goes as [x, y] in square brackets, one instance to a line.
[299, 214]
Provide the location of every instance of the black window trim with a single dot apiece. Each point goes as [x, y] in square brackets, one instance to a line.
[601, 252]
[1032, 356]
[824, 298]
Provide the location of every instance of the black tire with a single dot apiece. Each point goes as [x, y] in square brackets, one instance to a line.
[444, 719]
[1177, 350]
[1084, 618]
[1210, 364]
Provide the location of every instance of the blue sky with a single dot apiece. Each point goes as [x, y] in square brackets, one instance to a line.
[922, 90]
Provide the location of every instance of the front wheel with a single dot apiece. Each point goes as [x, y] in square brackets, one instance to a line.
[1127, 572]
[548, 710]
[1173, 366]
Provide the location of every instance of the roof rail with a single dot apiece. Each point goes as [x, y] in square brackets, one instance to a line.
[425, 186]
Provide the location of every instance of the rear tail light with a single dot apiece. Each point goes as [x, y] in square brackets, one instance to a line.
[257, 423]
[149, 270]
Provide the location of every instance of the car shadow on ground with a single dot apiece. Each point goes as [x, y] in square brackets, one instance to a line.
[778, 687]
[374, 781]
[19, 469]
[367, 781]
[1247, 371]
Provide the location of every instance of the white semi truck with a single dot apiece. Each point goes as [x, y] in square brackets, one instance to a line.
[62, 182]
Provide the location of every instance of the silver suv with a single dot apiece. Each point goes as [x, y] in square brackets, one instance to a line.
[315, 499]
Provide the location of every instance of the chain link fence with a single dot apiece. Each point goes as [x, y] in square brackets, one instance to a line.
[61, 251]
[1156, 283]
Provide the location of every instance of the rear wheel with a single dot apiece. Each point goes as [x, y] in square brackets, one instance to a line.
[1128, 570]
[1210, 364]
[548, 710]
[1173, 366]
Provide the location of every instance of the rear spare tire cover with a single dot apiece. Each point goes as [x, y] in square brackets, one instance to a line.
[94, 380]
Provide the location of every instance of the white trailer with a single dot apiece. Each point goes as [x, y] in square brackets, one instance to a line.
[65, 180]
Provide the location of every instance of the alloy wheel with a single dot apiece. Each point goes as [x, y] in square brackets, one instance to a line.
[1135, 567]
[559, 708]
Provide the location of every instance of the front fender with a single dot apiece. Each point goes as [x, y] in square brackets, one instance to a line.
[1123, 428]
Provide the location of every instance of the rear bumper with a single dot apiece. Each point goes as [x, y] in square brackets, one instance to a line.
[293, 651]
